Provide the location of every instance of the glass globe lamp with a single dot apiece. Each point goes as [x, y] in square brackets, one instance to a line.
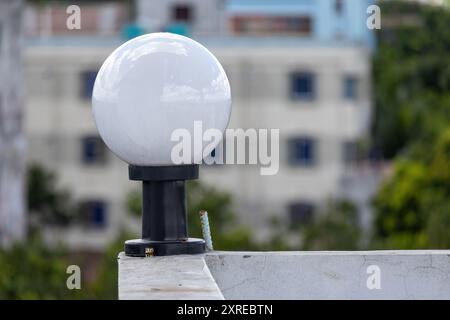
[146, 89]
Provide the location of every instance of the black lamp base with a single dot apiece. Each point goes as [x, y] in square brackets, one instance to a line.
[146, 248]
[164, 219]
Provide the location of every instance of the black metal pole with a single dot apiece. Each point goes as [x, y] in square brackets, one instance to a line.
[164, 210]
[164, 219]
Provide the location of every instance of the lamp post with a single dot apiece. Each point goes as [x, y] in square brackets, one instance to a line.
[145, 90]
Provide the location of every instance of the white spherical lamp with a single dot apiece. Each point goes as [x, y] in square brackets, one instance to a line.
[145, 90]
[151, 86]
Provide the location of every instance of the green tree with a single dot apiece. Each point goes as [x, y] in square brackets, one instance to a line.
[47, 203]
[411, 76]
[31, 270]
[412, 209]
[34, 270]
[336, 228]
[412, 120]
[105, 285]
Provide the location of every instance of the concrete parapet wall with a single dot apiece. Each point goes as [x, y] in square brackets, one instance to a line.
[288, 275]
[332, 274]
[184, 277]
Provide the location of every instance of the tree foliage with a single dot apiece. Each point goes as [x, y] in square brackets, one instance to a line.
[336, 228]
[412, 125]
[411, 76]
[412, 209]
[34, 270]
[47, 203]
[31, 270]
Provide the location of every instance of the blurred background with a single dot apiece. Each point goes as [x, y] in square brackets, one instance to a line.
[364, 119]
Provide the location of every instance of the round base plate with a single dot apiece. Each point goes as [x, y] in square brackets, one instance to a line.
[145, 248]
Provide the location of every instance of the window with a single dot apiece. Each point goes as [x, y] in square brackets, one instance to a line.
[300, 213]
[182, 13]
[93, 213]
[302, 85]
[350, 88]
[87, 83]
[349, 152]
[301, 151]
[338, 6]
[270, 25]
[93, 150]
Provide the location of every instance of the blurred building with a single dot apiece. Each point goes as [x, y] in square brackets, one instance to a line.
[60, 70]
[303, 67]
[430, 2]
[187, 17]
[101, 18]
[299, 66]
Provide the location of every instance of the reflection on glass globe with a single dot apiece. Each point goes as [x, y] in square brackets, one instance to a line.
[153, 85]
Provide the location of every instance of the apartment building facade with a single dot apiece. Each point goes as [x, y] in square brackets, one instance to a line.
[299, 66]
[302, 67]
[319, 99]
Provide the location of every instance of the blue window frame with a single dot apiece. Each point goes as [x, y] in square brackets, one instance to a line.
[339, 6]
[300, 213]
[87, 83]
[94, 213]
[350, 88]
[182, 13]
[349, 152]
[302, 151]
[303, 85]
[93, 150]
